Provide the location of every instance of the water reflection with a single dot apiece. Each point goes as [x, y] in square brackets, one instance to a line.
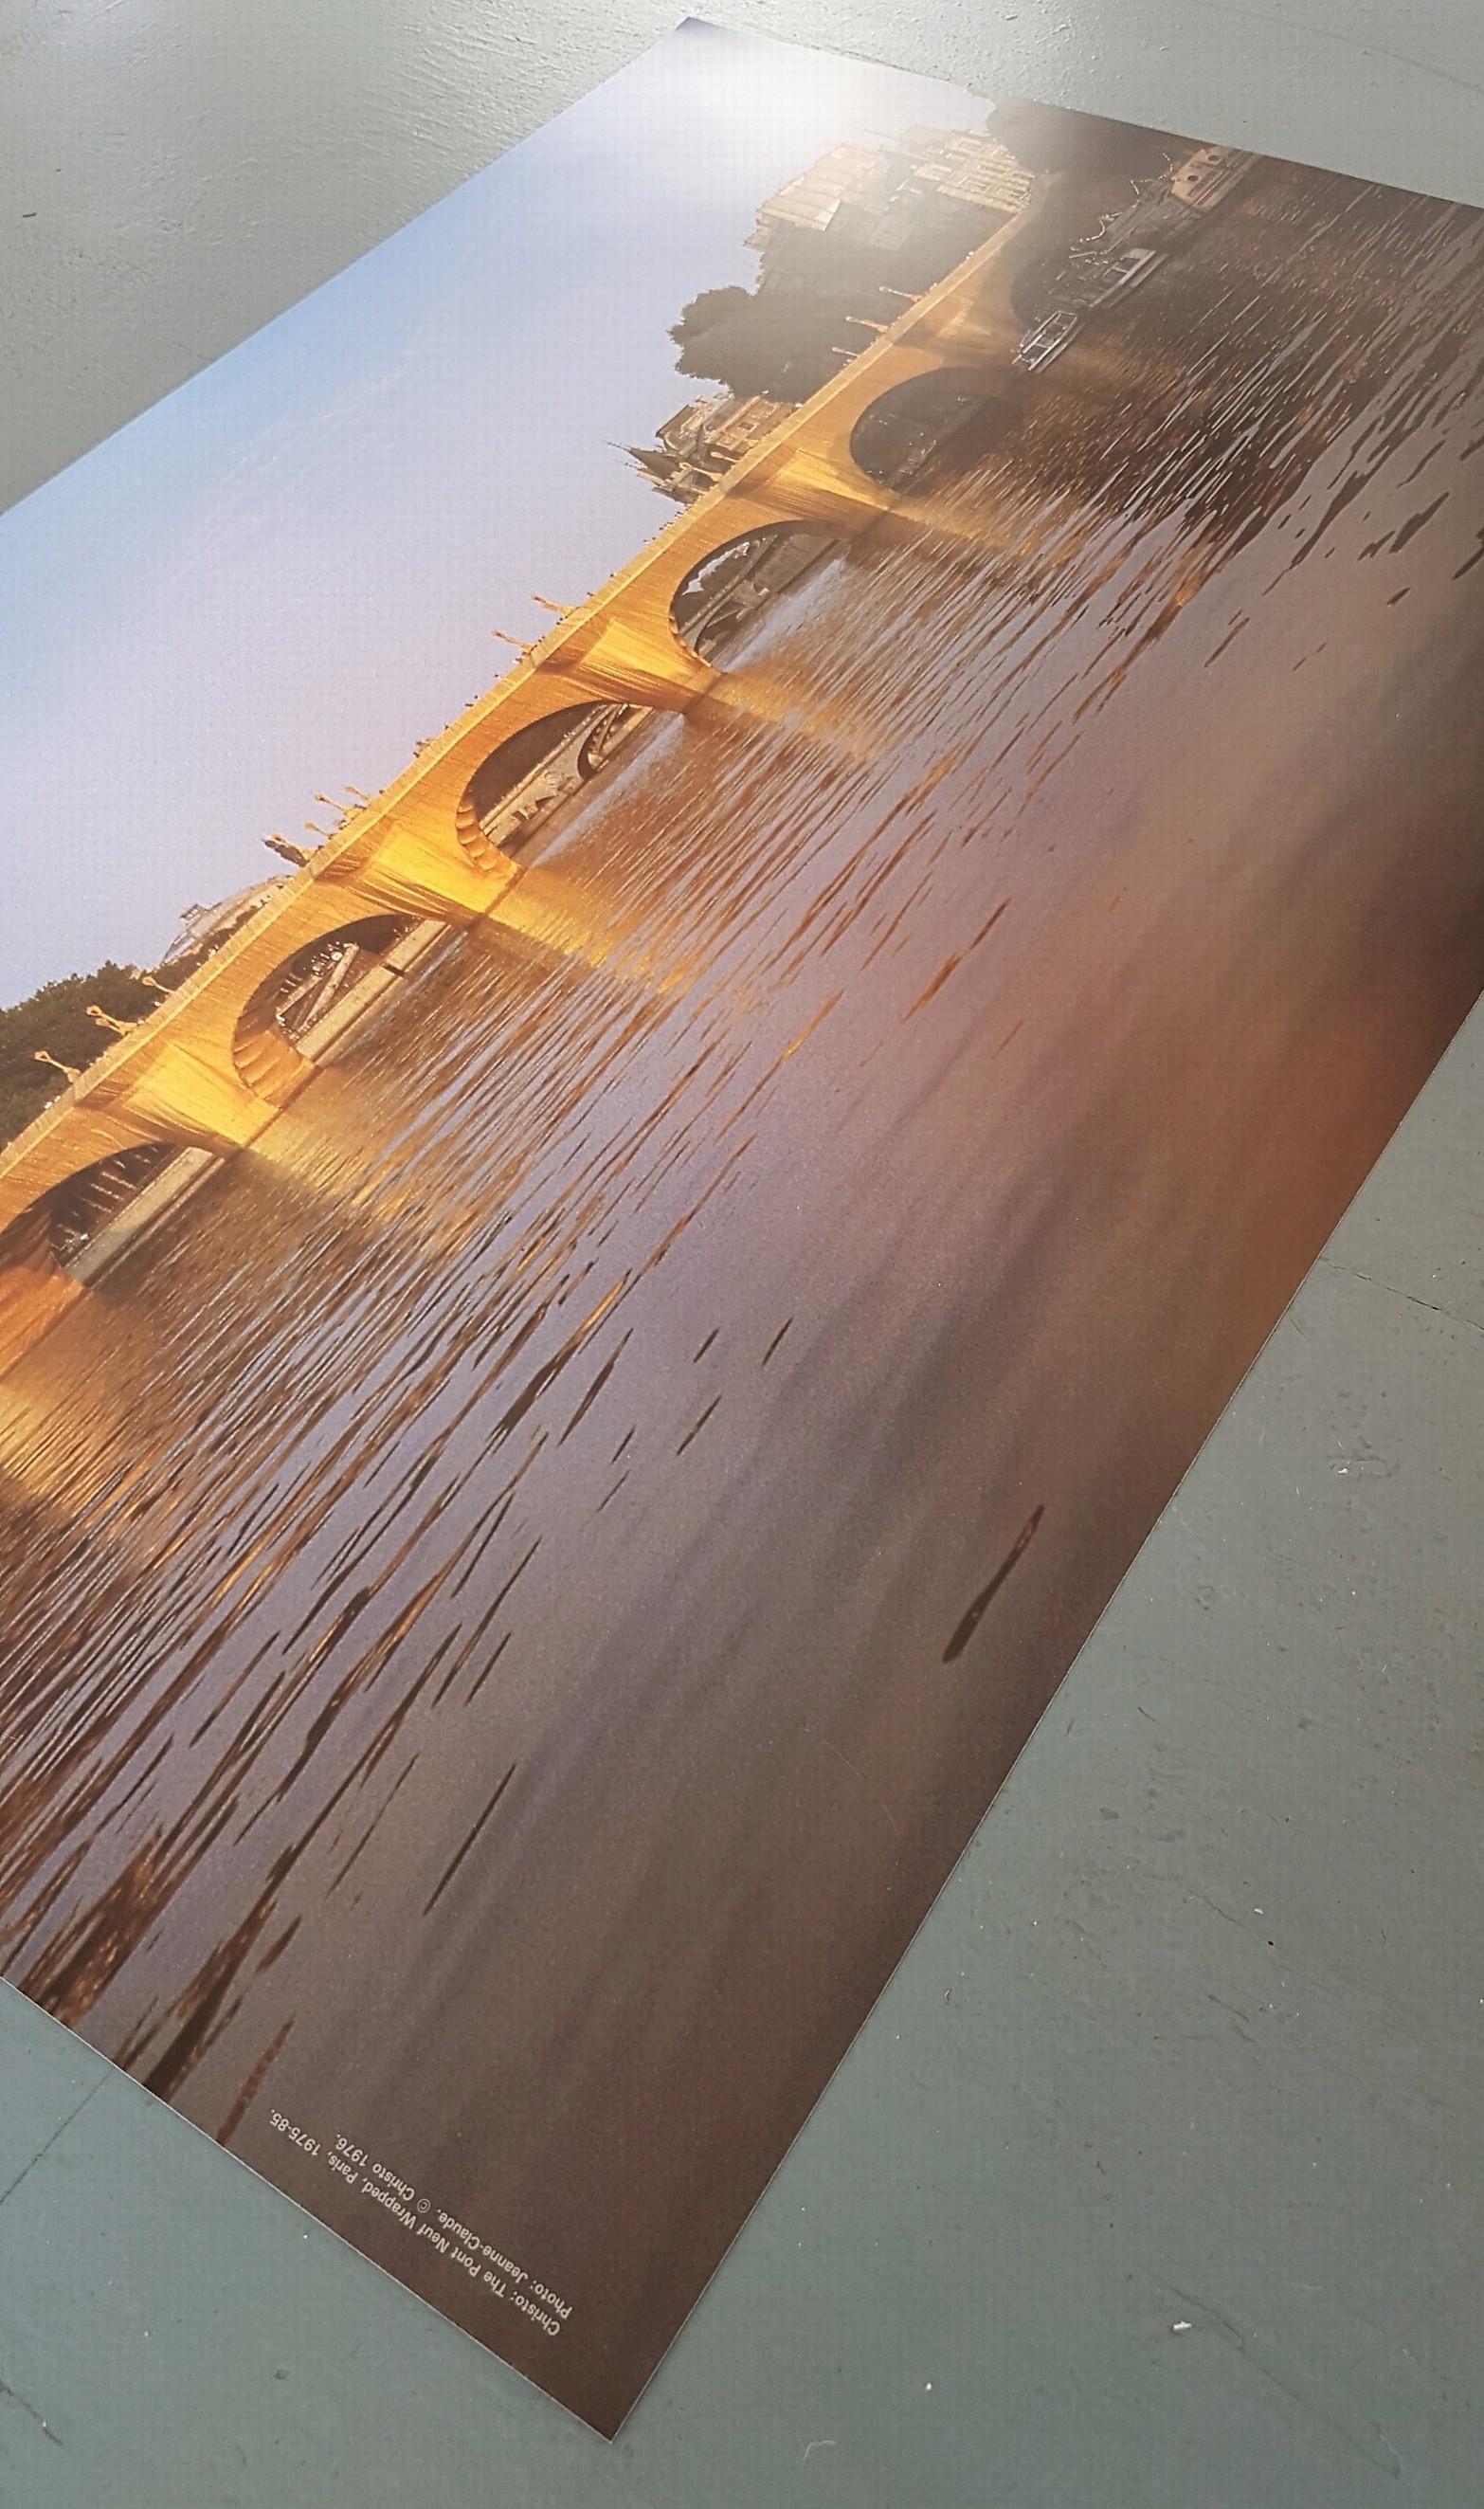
[517, 1599]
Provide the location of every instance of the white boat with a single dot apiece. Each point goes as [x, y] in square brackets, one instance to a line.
[1048, 340]
[1129, 271]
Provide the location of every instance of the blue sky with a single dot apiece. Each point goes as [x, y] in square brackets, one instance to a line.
[278, 578]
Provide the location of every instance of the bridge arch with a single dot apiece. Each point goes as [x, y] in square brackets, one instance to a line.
[42, 1247]
[286, 1003]
[904, 427]
[536, 767]
[723, 588]
[73, 1214]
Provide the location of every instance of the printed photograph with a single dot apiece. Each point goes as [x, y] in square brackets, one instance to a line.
[713, 881]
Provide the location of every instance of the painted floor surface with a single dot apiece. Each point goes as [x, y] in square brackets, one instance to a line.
[1155, 2176]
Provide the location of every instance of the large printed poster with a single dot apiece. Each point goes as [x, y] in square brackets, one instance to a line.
[714, 881]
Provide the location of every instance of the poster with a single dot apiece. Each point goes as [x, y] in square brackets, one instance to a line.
[862, 703]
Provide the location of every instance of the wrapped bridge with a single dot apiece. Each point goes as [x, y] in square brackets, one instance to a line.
[212, 1068]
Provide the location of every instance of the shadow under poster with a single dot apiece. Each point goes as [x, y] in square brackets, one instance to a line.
[863, 703]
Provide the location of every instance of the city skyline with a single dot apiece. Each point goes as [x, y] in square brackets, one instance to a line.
[250, 559]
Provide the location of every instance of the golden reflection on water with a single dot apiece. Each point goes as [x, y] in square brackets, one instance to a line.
[517, 1599]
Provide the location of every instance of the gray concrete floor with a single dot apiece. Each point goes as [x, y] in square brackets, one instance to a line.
[1157, 2175]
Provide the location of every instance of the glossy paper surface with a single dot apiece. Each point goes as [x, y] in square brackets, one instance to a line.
[579, 1368]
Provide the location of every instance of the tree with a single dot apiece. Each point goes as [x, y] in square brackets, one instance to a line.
[56, 1018]
[1052, 139]
[712, 305]
[783, 343]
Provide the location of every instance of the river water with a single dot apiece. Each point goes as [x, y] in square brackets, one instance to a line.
[516, 1598]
